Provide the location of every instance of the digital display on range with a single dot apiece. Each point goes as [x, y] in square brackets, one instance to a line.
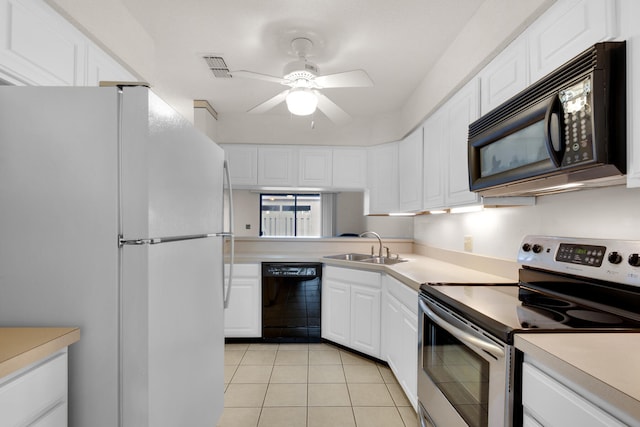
[581, 254]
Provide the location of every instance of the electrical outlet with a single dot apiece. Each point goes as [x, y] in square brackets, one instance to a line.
[468, 243]
[247, 227]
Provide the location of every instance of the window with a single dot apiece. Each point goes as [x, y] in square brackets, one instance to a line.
[291, 215]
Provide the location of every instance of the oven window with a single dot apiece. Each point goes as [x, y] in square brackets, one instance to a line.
[460, 374]
[518, 149]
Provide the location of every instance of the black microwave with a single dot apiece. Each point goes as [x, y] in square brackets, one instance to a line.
[568, 130]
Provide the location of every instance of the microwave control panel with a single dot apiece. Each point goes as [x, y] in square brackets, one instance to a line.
[578, 134]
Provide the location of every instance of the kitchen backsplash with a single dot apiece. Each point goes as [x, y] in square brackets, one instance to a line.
[497, 232]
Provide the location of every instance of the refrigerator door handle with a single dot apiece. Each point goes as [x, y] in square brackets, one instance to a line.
[226, 293]
[156, 240]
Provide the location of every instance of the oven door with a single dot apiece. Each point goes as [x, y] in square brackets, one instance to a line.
[463, 376]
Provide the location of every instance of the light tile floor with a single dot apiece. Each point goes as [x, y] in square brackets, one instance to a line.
[309, 385]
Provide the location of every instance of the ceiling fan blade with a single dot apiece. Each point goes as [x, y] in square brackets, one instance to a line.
[257, 76]
[331, 110]
[354, 78]
[269, 103]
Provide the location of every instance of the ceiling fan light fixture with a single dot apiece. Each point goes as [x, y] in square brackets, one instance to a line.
[301, 101]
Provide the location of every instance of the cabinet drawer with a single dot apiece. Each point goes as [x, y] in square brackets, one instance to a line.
[403, 293]
[31, 392]
[553, 404]
[56, 417]
[244, 270]
[353, 276]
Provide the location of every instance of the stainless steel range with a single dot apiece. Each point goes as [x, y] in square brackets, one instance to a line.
[468, 372]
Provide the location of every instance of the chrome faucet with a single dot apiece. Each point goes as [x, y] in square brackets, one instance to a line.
[377, 236]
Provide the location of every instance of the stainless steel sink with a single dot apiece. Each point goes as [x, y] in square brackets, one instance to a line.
[384, 260]
[366, 258]
[350, 257]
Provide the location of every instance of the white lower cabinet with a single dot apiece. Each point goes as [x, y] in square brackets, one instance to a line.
[365, 317]
[243, 317]
[351, 308]
[547, 401]
[336, 309]
[377, 315]
[400, 334]
[37, 394]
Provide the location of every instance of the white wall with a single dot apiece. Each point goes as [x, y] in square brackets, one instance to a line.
[206, 123]
[603, 213]
[349, 213]
[247, 212]
[390, 226]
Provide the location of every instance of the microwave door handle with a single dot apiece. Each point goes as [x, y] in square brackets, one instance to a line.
[463, 336]
[553, 130]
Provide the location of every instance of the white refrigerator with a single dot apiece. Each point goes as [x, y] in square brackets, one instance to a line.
[111, 219]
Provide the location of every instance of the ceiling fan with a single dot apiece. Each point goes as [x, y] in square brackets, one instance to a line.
[303, 95]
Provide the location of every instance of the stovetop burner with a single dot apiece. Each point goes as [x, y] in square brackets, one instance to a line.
[554, 312]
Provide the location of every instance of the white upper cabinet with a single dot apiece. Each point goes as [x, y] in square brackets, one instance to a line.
[38, 47]
[446, 177]
[383, 179]
[505, 76]
[629, 13]
[276, 166]
[410, 172]
[243, 164]
[566, 29]
[101, 67]
[433, 160]
[462, 109]
[315, 167]
[349, 168]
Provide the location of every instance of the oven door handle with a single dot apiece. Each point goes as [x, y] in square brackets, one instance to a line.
[464, 336]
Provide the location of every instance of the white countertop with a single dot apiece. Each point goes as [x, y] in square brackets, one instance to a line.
[417, 270]
[604, 364]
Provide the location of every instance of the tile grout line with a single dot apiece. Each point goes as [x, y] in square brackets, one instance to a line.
[306, 420]
[342, 356]
[346, 384]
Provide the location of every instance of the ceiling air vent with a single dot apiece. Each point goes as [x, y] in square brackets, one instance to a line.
[217, 66]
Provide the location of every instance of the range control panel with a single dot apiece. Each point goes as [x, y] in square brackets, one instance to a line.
[605, 259]
[581, 254]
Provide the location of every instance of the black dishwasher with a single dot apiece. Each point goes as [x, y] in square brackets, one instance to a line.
[291, 294]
